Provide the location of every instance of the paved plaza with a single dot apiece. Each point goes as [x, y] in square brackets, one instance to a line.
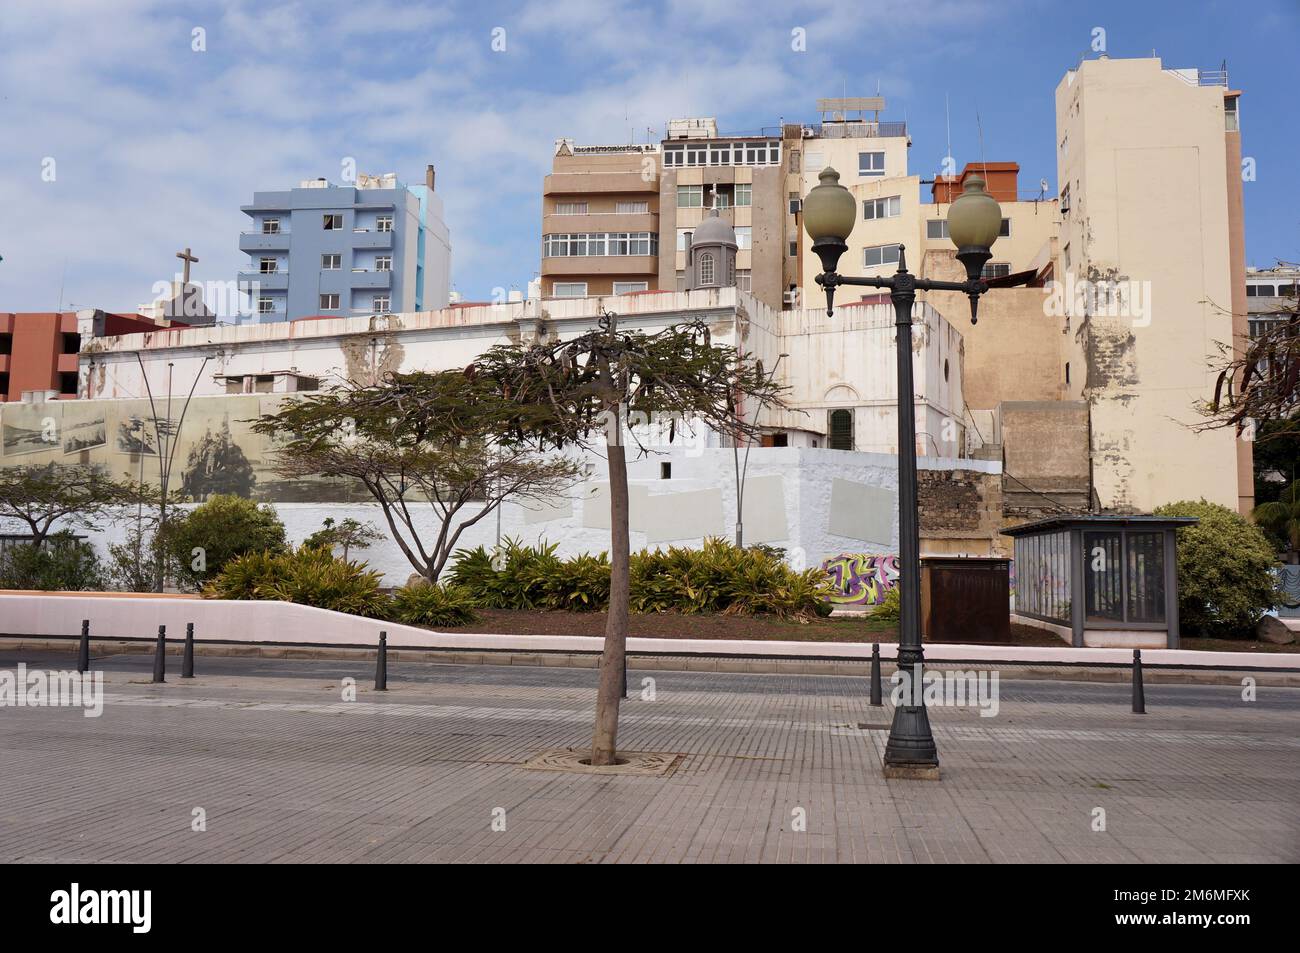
[771, 768]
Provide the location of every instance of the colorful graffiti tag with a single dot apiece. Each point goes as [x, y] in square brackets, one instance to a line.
[860, 579]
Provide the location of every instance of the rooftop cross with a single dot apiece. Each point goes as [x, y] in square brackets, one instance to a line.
[188, 258]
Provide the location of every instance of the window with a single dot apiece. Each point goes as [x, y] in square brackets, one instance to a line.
[665, 470]
[265, 305]
[889, 207]
[744, 236]
[1261, 291]
[794, 203]
[681, 281]
[673, 155]
[720, 154]
[1065, 200]
[706, 269]
[268, 266]
[936, 228]
[379, 304]
[628, 287]
[331, 262]
[1005, 230]
[384, 223]
[332, 222]
[570, 289]
[71, 342]
[570, 208]
[840, 435]
[1231, 122]
[996, 269]
[696, 154]
[794, 249]
[871, 163]
[270, 226]
[743, 279]
[744, 194]
[329, 302]
[690, 196]
[600, 243]
[68, 382]
[681, 238]
[1065, 256]
[631, 208]
[383, 263]
[1067, 372]
[880, 255]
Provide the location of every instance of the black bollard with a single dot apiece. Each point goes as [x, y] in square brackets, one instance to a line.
[381, 664]
[160, 656]
[1139, 697]
[83, 652]
[875, 674]
[187, 663]
[625, 675]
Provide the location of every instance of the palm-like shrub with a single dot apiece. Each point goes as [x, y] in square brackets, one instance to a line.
[426, 603]
[1281, 518]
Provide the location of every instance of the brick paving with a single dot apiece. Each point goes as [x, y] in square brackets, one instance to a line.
[286, 771]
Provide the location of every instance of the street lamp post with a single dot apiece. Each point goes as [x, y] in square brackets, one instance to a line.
[974, 221]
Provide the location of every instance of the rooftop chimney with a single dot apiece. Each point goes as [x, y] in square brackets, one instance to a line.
[428, 176]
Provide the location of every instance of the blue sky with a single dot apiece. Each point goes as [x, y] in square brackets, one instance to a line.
[156, 145]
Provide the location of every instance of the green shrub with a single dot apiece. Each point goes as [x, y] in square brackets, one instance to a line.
[64, 563]
[719, 577]
[308, 576]
[1225, 571]
[222, 528]
[425, 603]
[891, 607]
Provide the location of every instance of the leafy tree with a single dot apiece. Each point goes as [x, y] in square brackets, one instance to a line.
[213, 533]
[77, 496]
[1225, 570]
[349, 534]
[582, 392]
[417, 440]
[132, 565]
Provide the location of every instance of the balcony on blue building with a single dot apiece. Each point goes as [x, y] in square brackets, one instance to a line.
[363, 278]
[372, 239]
[263, 241]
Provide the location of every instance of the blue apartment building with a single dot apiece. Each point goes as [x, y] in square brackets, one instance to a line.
[374, 247]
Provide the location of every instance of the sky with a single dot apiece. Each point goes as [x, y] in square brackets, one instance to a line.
[122, 141]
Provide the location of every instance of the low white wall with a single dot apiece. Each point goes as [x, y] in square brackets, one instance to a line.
[284, 623]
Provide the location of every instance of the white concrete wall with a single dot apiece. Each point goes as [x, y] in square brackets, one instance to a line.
[815, 503]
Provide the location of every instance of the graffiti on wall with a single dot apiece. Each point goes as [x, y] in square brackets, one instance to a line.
[861, 579]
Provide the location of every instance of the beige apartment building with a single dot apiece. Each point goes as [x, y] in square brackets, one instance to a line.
[600, 221]
[1149, 166]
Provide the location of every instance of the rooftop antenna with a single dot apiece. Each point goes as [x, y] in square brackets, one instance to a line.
[980, 126]
[947, 125]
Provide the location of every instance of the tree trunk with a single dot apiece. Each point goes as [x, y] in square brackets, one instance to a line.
[605, 737]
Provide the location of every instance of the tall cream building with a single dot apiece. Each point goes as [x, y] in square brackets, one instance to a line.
[1149, 169]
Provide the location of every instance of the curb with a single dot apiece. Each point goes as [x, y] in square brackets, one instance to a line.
[661, 663]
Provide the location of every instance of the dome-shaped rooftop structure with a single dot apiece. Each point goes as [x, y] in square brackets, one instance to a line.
[714, 231]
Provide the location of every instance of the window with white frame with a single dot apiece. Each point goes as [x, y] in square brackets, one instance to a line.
[331, 262]
[570, 289]
[384, 223]
[329, 302]
[681, 238]
[332, 222]
[632, 208]
[673, 155]
[696, 154]
[1005, 230]
[936, 228]
[743, 279]
[996, 269]
[706, 269]
[268, 266]
[874, 255]
[744, 236]
[629, 287]
[890, 207]
[690, 196]
[570, 208]
[266, 305]
[744, 194]
[871, 163]
[588, 244]
[380, 304]
[270, 226]
[383, 263]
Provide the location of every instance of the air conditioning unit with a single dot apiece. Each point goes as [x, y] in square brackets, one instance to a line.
[809, 132]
